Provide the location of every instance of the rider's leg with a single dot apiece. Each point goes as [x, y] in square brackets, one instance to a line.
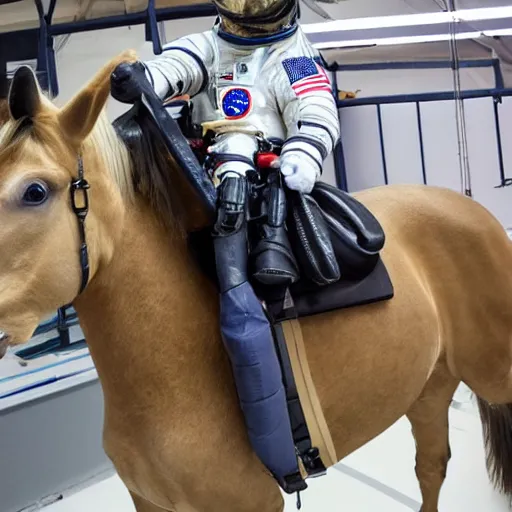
[272, 259]
[247, 334]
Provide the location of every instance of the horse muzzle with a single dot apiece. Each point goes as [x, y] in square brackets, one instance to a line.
[4, 343]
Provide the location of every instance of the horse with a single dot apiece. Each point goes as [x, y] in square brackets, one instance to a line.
[4, 112]
[173, 426]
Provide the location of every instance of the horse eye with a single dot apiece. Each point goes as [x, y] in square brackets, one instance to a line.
[35, 194]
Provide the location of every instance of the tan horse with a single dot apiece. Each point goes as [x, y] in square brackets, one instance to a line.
[173, 426]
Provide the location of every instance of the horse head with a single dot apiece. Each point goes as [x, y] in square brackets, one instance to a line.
[42, 151]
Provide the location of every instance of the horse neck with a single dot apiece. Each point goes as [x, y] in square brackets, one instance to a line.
[150, 315]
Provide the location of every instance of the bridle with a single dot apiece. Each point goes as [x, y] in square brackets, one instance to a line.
[274, 15]
[81, 186]
[78, 185]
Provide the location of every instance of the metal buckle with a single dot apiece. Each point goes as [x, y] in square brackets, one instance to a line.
[80, 185]
[264, 145]
[293, 483]
[313, 463]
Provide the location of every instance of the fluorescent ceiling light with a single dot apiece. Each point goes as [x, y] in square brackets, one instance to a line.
[487, 13]
[497, 33]
[407, 20]
[388, 41]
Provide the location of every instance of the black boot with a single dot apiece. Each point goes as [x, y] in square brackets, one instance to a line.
[273, 262]
[230, 234]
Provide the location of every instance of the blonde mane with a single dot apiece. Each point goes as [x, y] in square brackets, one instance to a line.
[4, 112]
[104, 140]
[8, 132]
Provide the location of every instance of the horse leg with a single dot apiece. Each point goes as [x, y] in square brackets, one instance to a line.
[429, 420]
[259, 494]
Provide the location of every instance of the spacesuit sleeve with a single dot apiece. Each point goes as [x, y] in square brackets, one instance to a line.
[305, 99]
[182, 68]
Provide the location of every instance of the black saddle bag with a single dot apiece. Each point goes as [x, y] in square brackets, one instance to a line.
[311, 240]
[333, 235]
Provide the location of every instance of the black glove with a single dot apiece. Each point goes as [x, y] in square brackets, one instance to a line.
[128, 81]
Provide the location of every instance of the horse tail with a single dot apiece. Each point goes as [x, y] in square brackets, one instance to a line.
[497, 429]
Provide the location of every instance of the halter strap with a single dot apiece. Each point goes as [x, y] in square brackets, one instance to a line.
[81, 209]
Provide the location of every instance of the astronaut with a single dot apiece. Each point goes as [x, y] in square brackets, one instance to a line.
[253, 78]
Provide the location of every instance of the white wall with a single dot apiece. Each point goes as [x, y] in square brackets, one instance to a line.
[362, 144]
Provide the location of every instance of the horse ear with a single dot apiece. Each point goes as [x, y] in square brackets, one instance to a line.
[24, 95]
[78, 117]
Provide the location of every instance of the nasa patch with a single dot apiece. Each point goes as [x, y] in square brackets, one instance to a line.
[236, 103]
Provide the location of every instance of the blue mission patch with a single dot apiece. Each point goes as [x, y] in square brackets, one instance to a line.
[236, 102]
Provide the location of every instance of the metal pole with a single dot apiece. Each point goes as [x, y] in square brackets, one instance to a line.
[422, 147]
[382, 145]
[338, 153]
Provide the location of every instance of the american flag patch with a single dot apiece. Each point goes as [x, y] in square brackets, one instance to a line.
[306, 76]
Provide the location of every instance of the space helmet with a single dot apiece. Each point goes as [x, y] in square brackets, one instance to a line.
[257, 18]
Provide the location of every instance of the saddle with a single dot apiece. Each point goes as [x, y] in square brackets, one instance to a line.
[337, 243]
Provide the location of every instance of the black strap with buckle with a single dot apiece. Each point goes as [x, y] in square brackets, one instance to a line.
[80, 207]
[309, 455]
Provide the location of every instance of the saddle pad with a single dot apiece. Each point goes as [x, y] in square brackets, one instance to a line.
[315, 419]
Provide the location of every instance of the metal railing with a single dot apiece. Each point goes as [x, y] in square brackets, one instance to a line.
[61, 323]
[497, 94]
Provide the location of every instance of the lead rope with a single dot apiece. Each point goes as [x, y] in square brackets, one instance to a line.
[460, 113]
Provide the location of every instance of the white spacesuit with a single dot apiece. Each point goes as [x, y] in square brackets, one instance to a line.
[273, 89]
[252, 78]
